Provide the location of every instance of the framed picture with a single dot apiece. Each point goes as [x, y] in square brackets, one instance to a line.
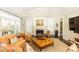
[39, 22]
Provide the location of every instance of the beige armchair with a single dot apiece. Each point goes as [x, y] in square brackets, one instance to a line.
[75, 40]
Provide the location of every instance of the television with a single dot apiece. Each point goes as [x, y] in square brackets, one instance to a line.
[74, 24]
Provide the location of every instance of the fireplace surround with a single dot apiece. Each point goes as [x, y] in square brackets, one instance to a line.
[39, 29]
[39, 32]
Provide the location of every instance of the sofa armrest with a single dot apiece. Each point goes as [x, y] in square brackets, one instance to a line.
[20, 43]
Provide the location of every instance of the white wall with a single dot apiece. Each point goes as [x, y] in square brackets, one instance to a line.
[29, 25]
[50, 23]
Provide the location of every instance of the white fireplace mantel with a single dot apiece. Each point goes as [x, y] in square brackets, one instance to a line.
[44, 28]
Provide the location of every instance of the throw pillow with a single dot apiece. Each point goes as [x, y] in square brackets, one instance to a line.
[13, 40]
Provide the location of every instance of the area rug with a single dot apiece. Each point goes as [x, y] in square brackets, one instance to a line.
[29, 48]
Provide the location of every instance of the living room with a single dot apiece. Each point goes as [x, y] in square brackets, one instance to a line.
[32, 25]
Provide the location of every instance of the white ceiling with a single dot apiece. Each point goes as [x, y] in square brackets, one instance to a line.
[39, 11]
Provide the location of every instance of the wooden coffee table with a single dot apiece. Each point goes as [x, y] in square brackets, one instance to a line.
[41, 44]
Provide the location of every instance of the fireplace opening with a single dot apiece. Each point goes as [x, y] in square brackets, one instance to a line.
[39, 32]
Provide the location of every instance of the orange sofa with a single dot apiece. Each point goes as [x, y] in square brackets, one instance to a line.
[20, 43]
[18, 46]
[11, 48]
[25, 36]
[6, 39]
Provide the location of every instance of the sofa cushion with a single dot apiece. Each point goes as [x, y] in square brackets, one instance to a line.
[3, 44]
[4, 40]
[11, 48]
[2, 49]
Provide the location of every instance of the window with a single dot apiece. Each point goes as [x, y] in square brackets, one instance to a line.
[9, 24]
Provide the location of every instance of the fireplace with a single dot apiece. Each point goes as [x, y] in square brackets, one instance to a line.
[39, 32]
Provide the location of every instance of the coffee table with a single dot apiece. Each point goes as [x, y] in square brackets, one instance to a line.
[41, 44]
